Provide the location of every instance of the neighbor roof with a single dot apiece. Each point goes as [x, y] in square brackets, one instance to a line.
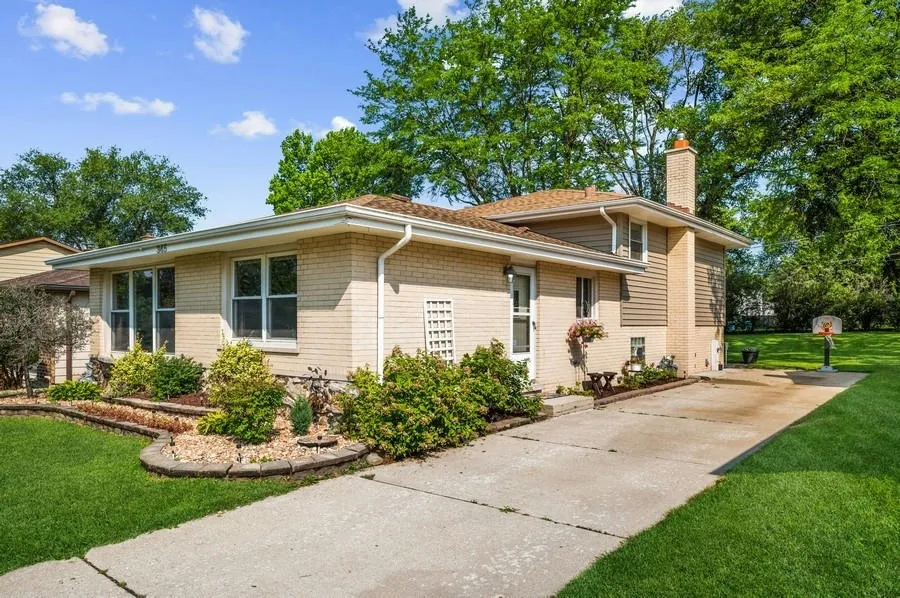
[541, 200]
[39, 240]
[54, 280]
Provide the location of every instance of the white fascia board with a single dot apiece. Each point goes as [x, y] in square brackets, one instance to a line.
[443, 233]
[309, 220]
[727, 237]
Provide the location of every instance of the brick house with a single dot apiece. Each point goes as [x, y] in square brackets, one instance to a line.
[339, 285]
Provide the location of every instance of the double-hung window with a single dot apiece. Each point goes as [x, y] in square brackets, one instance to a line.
[264, 298]
[584, 298]
[637, 240]
[142, 309]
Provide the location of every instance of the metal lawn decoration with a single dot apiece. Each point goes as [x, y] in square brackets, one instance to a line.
[827, 327]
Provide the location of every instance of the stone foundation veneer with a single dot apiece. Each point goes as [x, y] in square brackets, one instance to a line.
[153, 459]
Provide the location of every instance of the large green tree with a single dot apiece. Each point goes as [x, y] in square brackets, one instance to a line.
[106, 198]
[341, 165]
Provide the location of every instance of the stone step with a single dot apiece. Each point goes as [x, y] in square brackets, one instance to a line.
[567, 404]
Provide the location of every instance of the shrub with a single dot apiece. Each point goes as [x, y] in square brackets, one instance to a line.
[71, 390]
[301, 416]
[133, 371]
[239, 364]
[248, 410]
[422, 405]
[176, 376]
[648, 376]
[212, 423]
[507, 396]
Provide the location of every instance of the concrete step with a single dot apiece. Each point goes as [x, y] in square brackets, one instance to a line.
[567, 404]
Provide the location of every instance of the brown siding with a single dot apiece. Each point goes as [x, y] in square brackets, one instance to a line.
[590, 231]
[709, 276]
[644, 301]
[23, 260]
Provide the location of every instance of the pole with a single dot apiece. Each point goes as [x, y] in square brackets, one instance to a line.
[827, 353]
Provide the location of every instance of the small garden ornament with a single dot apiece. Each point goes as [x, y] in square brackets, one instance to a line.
[827, 327]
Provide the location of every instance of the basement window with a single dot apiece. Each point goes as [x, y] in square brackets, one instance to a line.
[637, 347]
[439, 336]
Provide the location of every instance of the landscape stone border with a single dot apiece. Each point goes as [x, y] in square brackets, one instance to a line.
[640, 392]
[177, 408]
[153, 459]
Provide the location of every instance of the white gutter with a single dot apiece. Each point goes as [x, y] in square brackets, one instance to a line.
[379, 359]
[612, 223]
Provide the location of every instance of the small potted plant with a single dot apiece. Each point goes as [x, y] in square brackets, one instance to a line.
[635, 364]
[750, 355]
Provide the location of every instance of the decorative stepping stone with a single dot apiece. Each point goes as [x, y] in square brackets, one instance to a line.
[318, 441]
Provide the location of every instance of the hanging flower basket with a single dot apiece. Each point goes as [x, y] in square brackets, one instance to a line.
[585, 331]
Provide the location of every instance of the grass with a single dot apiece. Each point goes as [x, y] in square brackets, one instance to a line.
[66, 488]
[814, 513]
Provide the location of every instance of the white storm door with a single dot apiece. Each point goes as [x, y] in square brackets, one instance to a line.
[522, 298]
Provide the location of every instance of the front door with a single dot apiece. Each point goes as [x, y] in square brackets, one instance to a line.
[522, 295]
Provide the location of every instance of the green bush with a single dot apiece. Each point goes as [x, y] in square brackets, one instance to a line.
[648, 376]
[508, 395]
[176, 376]
[247, 411]
[133, 371]
[70, 390]
[301, 416]
[422, 405]
[239, 363]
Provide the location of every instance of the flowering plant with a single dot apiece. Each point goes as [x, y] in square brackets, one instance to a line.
[582, 330]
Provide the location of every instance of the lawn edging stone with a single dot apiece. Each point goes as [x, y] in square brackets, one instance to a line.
[640, 392]
[153, 458]
[176, 408]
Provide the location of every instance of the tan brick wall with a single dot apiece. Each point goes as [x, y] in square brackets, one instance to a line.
[95, 305]
[473, 280]
[681, 178]
[198, 306]
[23, 260]
[704, 335]
[680, 331]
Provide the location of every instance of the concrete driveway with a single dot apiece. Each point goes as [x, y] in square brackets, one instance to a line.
[516, 514]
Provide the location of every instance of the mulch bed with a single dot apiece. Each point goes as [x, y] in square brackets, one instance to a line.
[194, 400]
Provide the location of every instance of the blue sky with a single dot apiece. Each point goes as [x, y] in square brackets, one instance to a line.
[214, 86]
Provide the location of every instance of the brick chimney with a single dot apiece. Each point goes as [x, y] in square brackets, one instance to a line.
[681, 176]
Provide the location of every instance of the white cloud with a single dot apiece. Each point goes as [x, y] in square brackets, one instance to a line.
[439, 10]
[317, 131]
[69, 34]
[647, 8]
[220, 38]
[119, 105]
[339, 122]
[254, 124]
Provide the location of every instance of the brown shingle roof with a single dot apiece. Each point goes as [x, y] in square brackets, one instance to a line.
[405, 207]
[540, 200]
[67, 280]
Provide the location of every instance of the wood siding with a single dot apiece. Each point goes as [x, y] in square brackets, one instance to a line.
[709, 276]
[23, 260]
[590, 231]
[644, 301]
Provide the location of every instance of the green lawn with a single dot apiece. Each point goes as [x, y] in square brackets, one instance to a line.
[814, 513]
[66, 488]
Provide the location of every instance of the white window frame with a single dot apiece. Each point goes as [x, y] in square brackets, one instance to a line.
[643, 224]
[284, 344]
[155, 307]
[428, 306]
[642, 344]
[578, 290]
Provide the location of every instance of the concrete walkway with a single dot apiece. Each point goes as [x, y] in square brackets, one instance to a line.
[519, 513]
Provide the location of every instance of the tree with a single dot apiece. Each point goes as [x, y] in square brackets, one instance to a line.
[341, 165]
[106, 198]
[35, 325]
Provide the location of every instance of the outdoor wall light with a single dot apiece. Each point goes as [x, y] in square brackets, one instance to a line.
[510, 273]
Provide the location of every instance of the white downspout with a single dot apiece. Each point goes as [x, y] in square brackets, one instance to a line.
[612, 223]
[379, 360]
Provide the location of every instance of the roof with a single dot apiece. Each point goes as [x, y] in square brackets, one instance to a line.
[541, 200]
[404, 206]
[54, 280]
[68, 248]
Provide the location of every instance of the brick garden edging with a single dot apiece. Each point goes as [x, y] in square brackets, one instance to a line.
[153, 459]
[177, 408]
[643, 391]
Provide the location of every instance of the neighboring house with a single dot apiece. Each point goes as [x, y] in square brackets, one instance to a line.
[339, 285]
[24, 263]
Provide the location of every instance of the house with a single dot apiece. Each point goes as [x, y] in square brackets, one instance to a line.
[25, 263]
[339, 285]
